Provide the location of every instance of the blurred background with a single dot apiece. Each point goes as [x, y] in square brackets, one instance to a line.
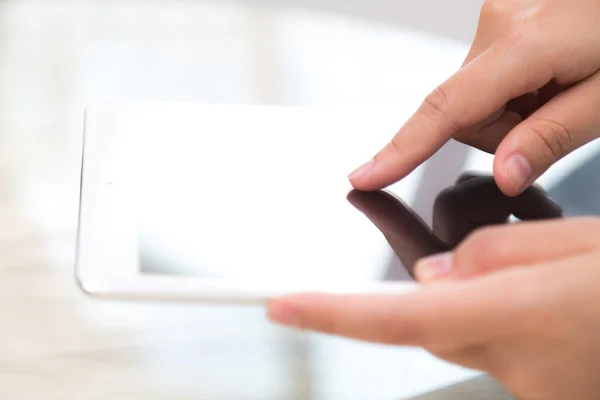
[56, 57]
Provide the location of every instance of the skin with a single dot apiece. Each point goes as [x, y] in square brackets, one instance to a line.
[522, 301]
[505, 302]
[528, 91]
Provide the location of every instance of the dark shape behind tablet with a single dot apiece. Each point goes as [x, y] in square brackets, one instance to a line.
[473, 202]
[408, 235]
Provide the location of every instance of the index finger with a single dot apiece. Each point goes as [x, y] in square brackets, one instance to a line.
[479, 89]
[444, 316]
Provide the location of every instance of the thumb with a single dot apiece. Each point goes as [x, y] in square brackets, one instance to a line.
[565, 123]
[508, 246]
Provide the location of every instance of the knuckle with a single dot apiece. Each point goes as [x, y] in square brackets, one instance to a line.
[554, 136]
[437, 100]
[491, 10]
[396, 146]
[530, 17]
[507, 14]
[436, 107]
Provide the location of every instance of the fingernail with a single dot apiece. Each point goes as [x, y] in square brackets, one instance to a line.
[362, 170]
[519, 172]
[283, 314]
[434, 267]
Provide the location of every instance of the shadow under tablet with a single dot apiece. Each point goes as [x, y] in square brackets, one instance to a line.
[473, 202]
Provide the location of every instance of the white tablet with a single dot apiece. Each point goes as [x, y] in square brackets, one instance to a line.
[239, 204]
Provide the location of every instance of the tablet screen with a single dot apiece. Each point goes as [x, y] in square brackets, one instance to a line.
[239, 226]
[296, 239]
[257, 205]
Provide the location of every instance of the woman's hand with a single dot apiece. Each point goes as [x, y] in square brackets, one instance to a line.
[529, 91]
[526, 308]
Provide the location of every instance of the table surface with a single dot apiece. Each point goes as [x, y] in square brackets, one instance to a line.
[57, 344]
